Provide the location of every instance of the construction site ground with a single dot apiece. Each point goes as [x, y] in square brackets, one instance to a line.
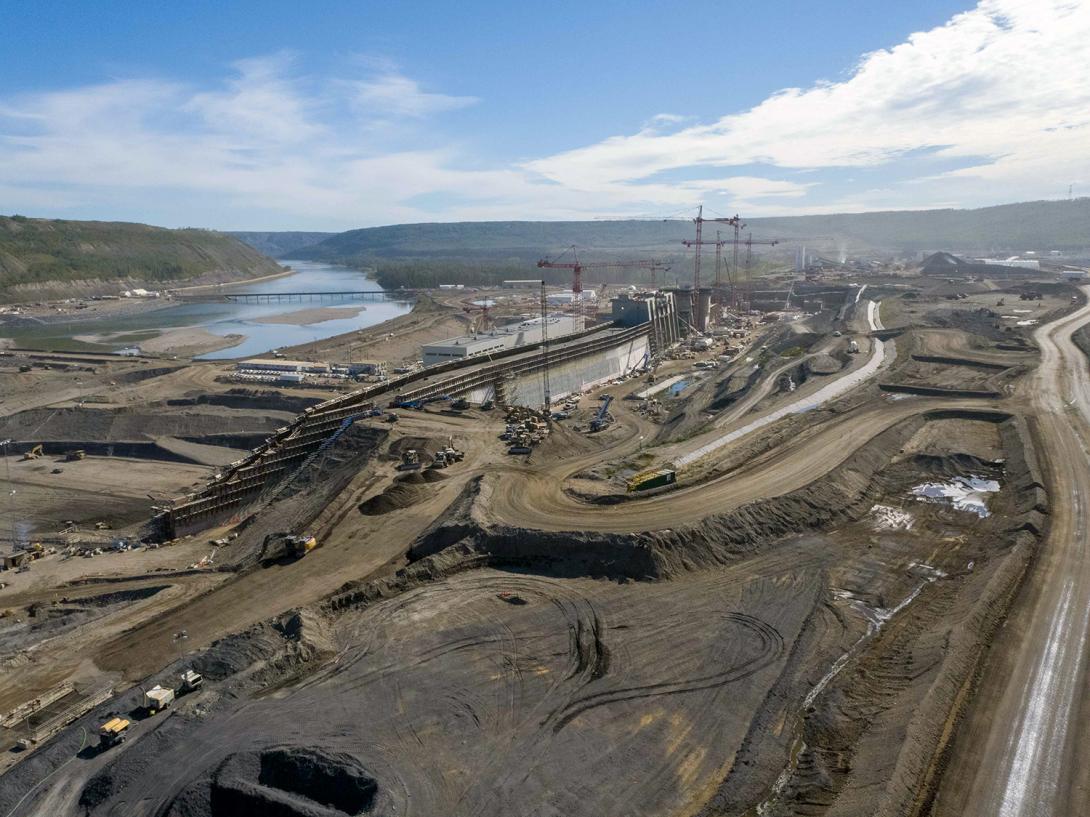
[789, 629]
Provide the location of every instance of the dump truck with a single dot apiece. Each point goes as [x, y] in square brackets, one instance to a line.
[33, 453]
[113, 732]
[157, 698]
[853, 347]
[447, 456]
[652, 479]
[73, 456]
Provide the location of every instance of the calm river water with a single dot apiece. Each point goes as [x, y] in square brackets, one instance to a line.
[230, 318]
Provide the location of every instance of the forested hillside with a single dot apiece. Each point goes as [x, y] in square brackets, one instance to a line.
[1041, 225]
[280, 245]
[40, 251]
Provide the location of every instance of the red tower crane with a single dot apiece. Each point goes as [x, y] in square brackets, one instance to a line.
[577, 266]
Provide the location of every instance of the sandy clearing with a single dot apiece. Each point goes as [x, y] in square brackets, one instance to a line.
[318, 314]
[190, 340]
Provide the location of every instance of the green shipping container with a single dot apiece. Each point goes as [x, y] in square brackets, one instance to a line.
[655, 479]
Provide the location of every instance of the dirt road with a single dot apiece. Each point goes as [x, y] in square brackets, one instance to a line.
[535, 498]
[1022, 751]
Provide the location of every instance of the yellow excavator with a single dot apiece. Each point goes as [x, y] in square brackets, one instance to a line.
[33, 453]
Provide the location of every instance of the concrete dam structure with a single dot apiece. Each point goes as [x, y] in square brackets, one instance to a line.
[512, 377]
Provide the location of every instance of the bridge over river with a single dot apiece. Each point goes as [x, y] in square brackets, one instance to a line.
[302, 297]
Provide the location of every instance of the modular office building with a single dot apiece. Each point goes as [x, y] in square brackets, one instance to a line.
[481, 344]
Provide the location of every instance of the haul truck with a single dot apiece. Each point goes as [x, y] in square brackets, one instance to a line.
[113, 732]
[157, 698]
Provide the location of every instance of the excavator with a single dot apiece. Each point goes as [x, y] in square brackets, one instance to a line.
[33, 453]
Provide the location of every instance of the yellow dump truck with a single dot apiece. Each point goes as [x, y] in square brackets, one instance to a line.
[113, 732]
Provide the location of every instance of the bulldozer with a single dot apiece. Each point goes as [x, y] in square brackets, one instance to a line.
[410, 460]
[283, 545]
[33, 453]
[74, 456]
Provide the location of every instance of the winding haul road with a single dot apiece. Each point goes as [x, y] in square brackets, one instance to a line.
[1026, 754]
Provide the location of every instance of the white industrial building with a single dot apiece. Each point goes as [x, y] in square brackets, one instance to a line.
[282, 365]
[511, 336]
[568, 297]
[1020, 263]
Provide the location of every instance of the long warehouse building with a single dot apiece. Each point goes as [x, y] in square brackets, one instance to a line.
[511, 336]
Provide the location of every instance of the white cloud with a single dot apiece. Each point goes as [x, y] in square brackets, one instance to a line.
[398, 95]
[1005, 86]
[993, 106]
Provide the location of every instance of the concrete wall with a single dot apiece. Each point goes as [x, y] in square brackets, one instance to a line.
[576, 375]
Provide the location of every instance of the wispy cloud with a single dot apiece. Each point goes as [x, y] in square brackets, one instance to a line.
[401, 96]
[994, 105]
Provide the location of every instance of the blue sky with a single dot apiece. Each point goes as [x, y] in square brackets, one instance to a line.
[333, 115]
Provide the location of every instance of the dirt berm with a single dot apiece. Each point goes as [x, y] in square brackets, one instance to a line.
[844, 494]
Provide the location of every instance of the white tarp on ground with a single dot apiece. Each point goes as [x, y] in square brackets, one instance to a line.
[964, 493]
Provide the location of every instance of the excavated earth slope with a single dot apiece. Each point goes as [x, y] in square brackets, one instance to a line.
[797, 652]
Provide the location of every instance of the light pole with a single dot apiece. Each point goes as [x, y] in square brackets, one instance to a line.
[11, 490]
[179, 640]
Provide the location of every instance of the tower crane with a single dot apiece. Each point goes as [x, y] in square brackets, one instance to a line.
[577, 267]
[734, 221]
[482, 320]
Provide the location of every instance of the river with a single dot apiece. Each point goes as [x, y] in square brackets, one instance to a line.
[250, 321]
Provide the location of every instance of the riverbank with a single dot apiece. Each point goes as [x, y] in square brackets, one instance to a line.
[396, 341]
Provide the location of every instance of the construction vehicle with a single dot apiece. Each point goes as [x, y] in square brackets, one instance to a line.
[410, 460]
[74, 456]
[853, 347]
[113, 732]
[191, 681]
[24, 367]
[447, 456]
[301, 545]
[157, 698]
[603, 418]
[461, 404]
[33, 453]
[282, 545]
